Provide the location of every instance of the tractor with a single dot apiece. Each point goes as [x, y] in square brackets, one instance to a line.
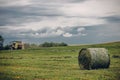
[15, 45]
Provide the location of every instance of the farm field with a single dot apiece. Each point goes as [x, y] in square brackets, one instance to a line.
[56, 63]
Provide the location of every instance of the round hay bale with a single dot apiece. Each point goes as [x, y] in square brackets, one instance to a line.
[93, 58]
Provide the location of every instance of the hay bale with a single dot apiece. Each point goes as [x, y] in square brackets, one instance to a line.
[93, 58]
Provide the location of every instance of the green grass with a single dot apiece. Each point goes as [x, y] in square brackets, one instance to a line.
[56, 63]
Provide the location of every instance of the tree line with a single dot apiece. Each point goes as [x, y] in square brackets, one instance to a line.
[45, 44]
[1, 42]
[28, 45]
[52, 44]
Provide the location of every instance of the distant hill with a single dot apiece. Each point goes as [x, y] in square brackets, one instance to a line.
[105, 45]
[109, 44]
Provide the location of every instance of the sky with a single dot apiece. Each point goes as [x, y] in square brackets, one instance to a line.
[69, 21]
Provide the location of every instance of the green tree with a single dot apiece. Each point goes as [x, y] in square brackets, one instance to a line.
[52, 44]
[63, 44]
[26, 45]
[1, 42]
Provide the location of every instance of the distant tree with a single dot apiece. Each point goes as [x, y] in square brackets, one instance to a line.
[46, 44]
[26, 45]
[29, 45]
[52, 44]
[6, 47]
[1, 42]
[63, 44]
[33, 45]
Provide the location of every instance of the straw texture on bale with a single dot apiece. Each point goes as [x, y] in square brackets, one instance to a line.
[93, 58]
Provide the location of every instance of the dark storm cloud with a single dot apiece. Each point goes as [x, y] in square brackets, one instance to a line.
[113, 19]
[18, 15]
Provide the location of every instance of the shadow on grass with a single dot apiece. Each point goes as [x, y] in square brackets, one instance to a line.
[4, 64]
[11, 57]
[4, 76]
[116, 72]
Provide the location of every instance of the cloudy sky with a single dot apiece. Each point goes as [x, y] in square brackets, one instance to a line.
[70, 21]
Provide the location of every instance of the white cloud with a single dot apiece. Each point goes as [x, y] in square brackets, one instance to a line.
[36, 34]
[93, 8]
[16, 3]
[57, 22]
[80, 29]
[84, 34]
[7, 3]
[42, 32]
[67, 35]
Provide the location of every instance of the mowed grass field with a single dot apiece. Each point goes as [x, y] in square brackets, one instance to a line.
[56, 63]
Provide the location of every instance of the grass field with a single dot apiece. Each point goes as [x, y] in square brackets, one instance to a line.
[56, 63]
